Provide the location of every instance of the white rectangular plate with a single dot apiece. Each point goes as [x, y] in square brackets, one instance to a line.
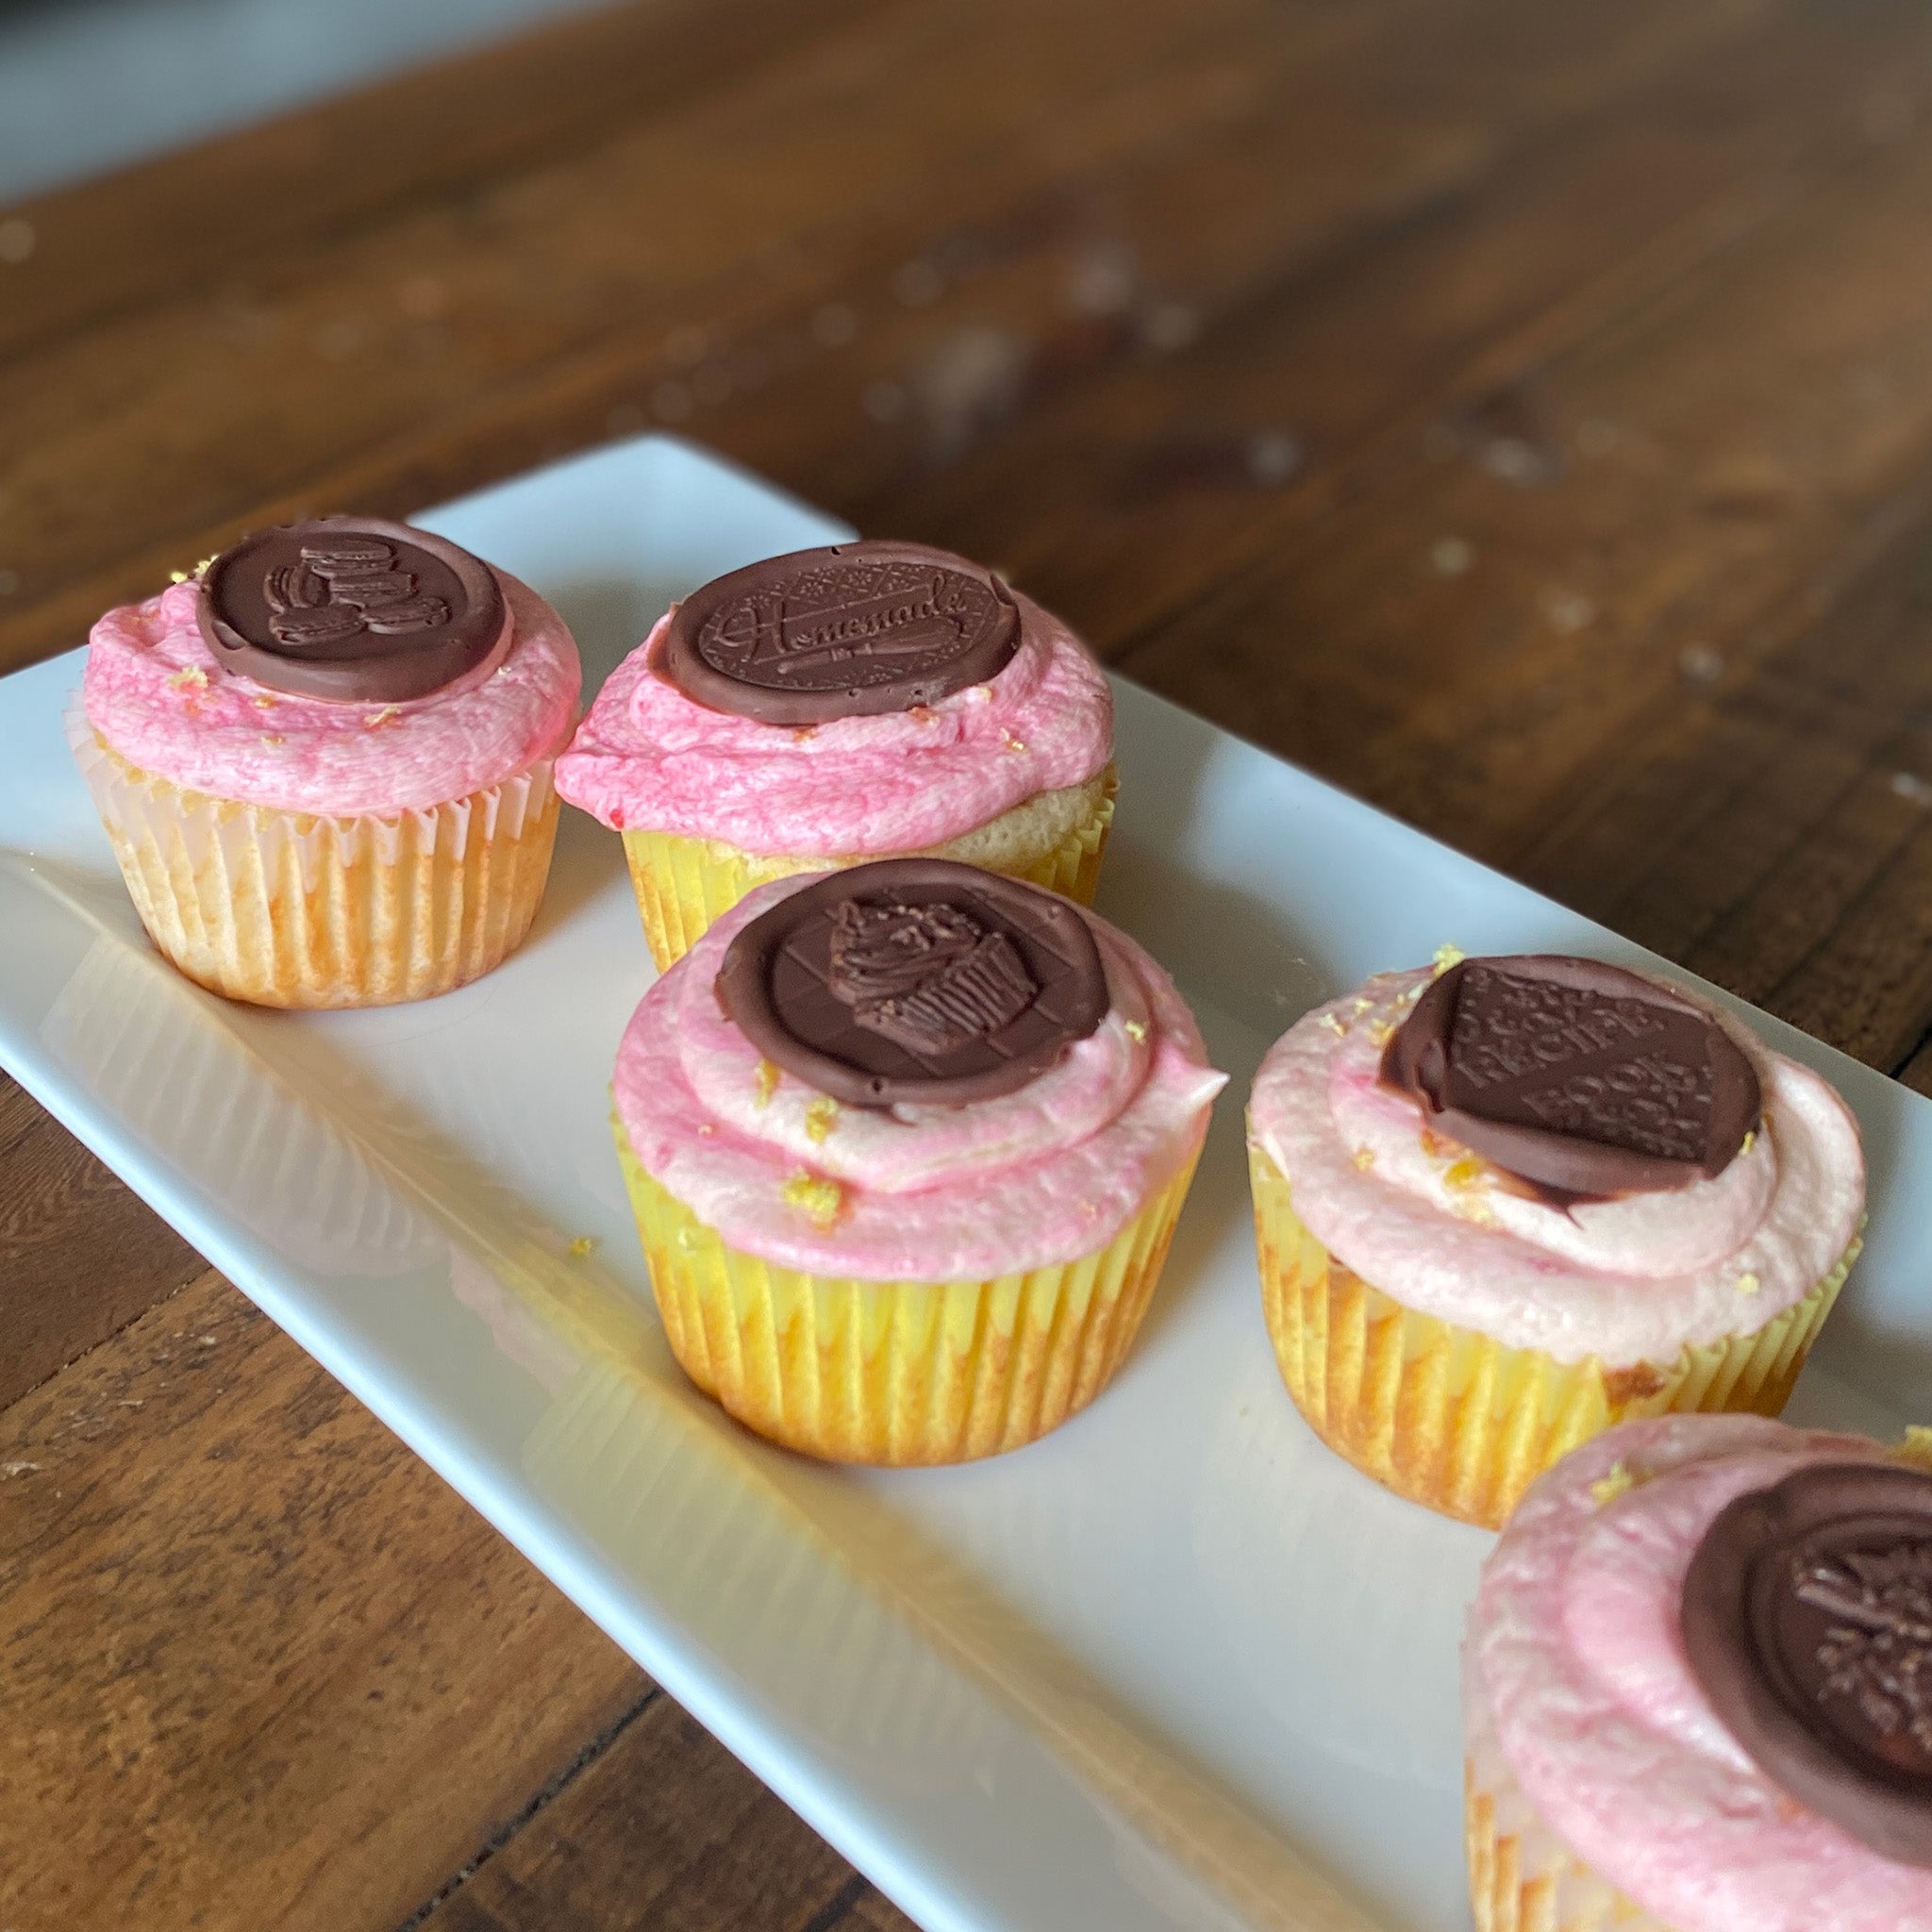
[1174, 1666]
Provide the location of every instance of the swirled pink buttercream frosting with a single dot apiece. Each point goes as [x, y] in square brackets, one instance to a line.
[1027, 1180]
[153, 691]
[1575, 1673]
[649, 758]
[1630, 1280]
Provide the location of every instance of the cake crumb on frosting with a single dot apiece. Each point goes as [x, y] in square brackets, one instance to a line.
[1606, 1490]
[820, 1119]
[819, 1197]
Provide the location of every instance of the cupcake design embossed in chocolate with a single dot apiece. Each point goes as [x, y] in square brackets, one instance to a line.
[1808, 1620]
[915, 980]
[853, 630]
[352, 609]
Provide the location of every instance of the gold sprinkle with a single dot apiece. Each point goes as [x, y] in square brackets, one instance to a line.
[265, 703]
[804, 733]
[767, 1083]
[376, 720]
[1747, 1284]
[1014, 743]
[1915, 1445]
[1380, 1032]
[1335, 1023]
[194, 675]
[1749, 1141]
[820, 1199]
[820, 1119]
[1448, 956]
[177, 576]
[273, 738]
[584, 1245]
[1466, 1173]
[1619, 1482]
[1137, 1030]
[1365, 1158]
[203, 565]
[1362, 1006]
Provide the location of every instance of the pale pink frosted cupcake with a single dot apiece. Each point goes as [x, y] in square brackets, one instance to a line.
[1698, 1682]
[865, 701]
[324, 763]
[1507, 1203]
[907, 1144]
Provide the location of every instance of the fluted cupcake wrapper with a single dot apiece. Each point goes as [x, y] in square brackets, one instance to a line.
[1522, 1876]
[683, 885]
[897, 1371]
[1461, 1423]
[288, 909]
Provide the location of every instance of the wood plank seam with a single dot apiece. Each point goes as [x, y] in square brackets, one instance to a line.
[539, 1801]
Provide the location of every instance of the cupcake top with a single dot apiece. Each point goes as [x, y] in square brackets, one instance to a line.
[866, 697]
[1563, 1155]
[913, 1070]
[1703, 1649]
[341, 666]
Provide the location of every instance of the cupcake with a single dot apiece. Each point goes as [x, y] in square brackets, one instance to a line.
[906, 1146]
[1698, 1687]
[1507, 1203]
[324, 763]
[820, 709]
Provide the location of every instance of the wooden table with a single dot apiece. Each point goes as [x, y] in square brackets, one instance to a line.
[1519, 413]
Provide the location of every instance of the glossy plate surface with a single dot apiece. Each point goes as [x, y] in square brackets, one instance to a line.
[1176, 1665]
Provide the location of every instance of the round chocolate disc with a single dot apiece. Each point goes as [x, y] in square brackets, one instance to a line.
[352, 609]
[845, 632]
[1581, 1079]
[915, 980]
[1808, 1620]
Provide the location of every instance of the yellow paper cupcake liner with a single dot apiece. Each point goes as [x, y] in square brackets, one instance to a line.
[682, 883]
[897, 1371]
[1462, 1424]
[288, 909]
[1523, 1877]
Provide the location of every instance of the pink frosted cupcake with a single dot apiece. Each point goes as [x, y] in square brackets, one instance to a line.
[906, 1146]
[865, 701]
[324, 763]
[1698, 1685]
[1509, 1203]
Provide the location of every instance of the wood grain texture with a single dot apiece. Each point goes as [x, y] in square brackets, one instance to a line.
[80, 1256]
[1520, 414]
[262, 1666]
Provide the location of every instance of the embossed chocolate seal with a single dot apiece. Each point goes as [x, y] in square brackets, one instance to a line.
[1808, 1620]
[915, 980]
[845, 632]
[352, 609]
[1582, 1080]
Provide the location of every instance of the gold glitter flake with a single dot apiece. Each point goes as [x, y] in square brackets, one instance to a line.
[1448, 956]
[1915, 1446]
[1362, 1005]
[1335, 1023]
[1749, 1141]
[1364, 1157]
[1014, 744]
[177, 576]
[376, 720]
[821, 1117]
[1748, 1283]
[1619, 1482]
[819, 1198]
[194, 676]
[1137, 1030]
[767, 1083]
[265, 703]
[584, 1245]
[1380, 1032]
